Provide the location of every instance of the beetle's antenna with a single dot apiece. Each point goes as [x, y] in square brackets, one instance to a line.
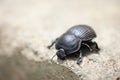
[52, 58]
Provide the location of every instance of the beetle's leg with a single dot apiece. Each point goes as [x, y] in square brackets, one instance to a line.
[87, 46]
[52, 44]
[79, 60]
[94, 46]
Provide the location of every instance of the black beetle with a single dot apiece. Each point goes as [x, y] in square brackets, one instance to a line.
[72, 41]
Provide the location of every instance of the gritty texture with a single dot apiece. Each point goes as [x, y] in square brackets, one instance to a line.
[32, 24]
[17, 67]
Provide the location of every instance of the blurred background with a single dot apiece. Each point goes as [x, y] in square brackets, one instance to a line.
[31, 25]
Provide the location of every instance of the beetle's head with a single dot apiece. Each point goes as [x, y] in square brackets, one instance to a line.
[61, 54]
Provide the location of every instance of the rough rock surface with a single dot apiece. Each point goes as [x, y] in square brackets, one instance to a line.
[31, 25]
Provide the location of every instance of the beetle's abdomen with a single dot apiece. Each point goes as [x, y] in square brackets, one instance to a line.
[84, 32]
[69, 43]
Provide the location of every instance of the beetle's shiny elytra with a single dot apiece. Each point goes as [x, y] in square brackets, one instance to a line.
[83, 32]
[72, 41]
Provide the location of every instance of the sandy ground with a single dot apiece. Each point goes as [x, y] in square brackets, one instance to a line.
[31, 25]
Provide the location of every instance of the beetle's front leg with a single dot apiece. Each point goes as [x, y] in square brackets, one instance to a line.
[79, 60]
[52, 44]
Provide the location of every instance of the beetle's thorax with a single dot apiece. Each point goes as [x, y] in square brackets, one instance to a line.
[69, 43]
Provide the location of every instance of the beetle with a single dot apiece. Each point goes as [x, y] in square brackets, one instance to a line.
[73, 39]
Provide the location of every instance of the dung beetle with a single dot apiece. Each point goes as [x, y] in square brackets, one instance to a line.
[72, 41]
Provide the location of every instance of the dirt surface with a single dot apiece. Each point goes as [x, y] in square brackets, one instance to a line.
[17, 67]
[31, 25]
